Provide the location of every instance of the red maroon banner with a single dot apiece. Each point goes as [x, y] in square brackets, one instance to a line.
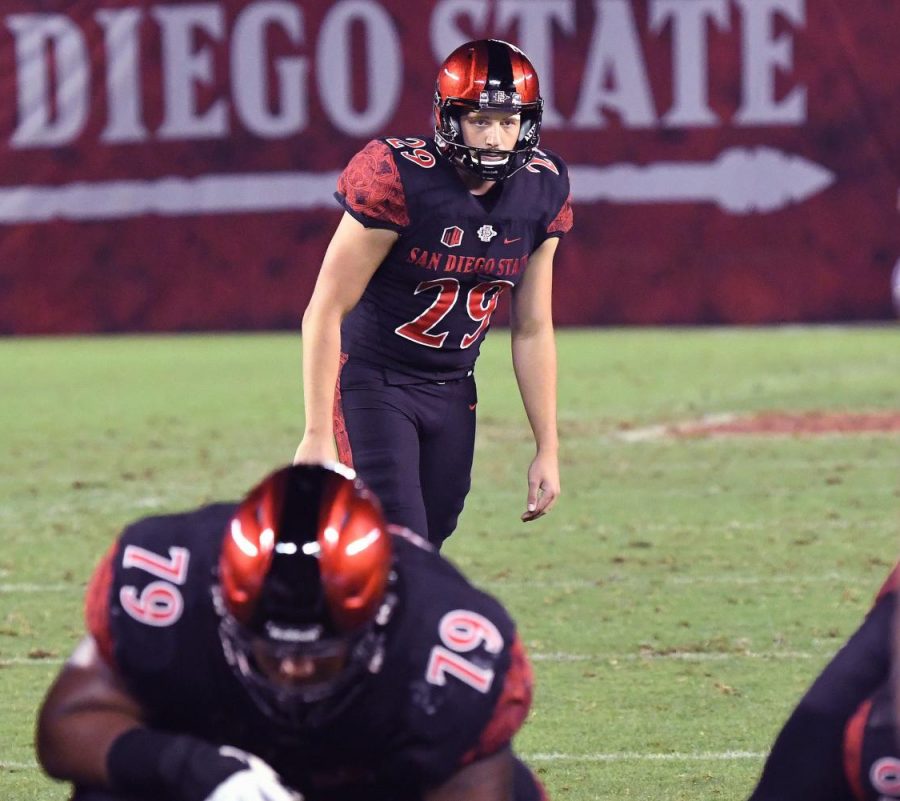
[168, 166]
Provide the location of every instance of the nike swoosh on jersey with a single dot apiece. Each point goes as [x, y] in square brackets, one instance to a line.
[510, 241]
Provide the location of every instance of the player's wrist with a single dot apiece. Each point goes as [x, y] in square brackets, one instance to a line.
[548, 448]
[172, 766]
[318, 433]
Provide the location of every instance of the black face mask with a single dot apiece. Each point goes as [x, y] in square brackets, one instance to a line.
[340, 664]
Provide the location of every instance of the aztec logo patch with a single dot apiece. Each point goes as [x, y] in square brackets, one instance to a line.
[486, 233]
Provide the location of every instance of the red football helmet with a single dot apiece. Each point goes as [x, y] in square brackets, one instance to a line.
[487, 74]
[304, 569]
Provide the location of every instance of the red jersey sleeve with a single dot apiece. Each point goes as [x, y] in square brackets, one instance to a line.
[96, 604]
[562, 223]
[371, 190]
[511, 709]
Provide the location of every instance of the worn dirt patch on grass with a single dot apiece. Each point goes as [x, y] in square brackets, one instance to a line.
[776, 424]
[807, 424]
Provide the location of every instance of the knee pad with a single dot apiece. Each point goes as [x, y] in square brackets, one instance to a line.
[871, 753]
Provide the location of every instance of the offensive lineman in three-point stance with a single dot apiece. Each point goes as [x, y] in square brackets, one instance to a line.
[290, 645]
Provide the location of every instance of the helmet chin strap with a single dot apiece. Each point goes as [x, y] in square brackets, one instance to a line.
[471, 159]
[496, 156]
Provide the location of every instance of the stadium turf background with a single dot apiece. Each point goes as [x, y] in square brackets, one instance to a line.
[676, 603]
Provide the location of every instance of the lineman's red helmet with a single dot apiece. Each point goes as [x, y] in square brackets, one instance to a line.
[487, 74]
[303, 571]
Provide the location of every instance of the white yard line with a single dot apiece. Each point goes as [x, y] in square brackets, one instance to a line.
[623, 756]
[739, 525]
[559, 657]
[636, 529]
[723, 578]
[776, 462]
[26, 588]
[563, 584]
[679, 656]
[637, 756]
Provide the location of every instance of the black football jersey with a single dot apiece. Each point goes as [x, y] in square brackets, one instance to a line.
[454, 683]
[428, 306]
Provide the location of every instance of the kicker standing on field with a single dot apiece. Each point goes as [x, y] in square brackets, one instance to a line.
[349, 658]
[433, 233]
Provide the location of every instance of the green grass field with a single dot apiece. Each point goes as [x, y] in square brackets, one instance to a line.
[676, 603]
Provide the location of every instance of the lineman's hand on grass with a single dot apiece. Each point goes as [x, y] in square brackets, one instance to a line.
[254, 782]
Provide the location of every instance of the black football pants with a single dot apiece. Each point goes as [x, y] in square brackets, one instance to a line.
[411, 441]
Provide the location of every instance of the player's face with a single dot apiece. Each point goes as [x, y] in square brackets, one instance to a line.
[300, 667]
[491, 130]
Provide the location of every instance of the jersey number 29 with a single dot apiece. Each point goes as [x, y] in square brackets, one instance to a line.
[481, 302]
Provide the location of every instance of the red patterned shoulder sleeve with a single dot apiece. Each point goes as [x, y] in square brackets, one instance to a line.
[562, 223]
[96, 604]
[370, 186]
[511, 709]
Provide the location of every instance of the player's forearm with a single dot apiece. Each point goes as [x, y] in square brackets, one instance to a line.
[321, 363]
[86, 709]
[74, 747]
[534, 362]
[83, 714]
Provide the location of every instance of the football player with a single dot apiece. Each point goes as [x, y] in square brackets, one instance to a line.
[290, 646]
[840, 743]
[434, 230]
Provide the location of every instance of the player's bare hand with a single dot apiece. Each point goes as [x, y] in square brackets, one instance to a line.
[543, 486]
[314, 450]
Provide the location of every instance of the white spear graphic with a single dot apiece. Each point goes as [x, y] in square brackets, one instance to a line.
[169, 197]
[740, 181]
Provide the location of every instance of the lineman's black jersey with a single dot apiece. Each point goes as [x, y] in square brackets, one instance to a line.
[428, 306]
[840, 742]
[454, 684]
